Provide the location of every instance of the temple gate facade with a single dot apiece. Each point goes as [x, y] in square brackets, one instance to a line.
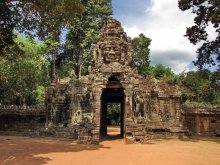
[149, 108]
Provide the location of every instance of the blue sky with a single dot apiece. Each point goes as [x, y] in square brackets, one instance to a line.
[128, 10]
[165, 24]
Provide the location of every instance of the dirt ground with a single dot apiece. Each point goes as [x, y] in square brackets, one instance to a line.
[111, 151]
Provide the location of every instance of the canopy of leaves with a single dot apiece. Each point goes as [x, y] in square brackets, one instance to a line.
[199, 87]
[161, 72]
[41, 17]
[207, 14]
[23, 79]
[113, 113]
[7, 24]
[84, 33]
[141, 49]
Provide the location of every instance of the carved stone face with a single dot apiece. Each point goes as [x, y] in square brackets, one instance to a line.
[112, 52]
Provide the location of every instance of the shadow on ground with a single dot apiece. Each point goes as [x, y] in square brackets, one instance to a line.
[113, 133]
[200, 138]
[185, 139]
[111, 138]
[27, 151]
[23, 150]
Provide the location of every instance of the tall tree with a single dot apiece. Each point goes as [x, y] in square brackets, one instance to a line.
[50, 48]
[53, 16]
[38, 16]
[23, 78]
[84, 33]
[8, 19]
[42, 18]
[141, 49]
[207, 13]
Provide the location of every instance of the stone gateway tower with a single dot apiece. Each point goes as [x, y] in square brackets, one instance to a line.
[150, 108]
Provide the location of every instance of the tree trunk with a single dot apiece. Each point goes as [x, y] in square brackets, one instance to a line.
[53, 75]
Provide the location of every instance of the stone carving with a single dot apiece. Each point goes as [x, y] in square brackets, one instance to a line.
[79, 116]
[72, 74]
[112, 46]
[111, 52]
[148, 104]
[139, 104]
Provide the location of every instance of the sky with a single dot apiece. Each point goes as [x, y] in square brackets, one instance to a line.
[165, 24]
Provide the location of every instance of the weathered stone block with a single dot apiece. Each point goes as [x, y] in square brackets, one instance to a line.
[138, 138]
[129, 130]
[130, 140]
[138, 133]
[95, 131]
[138, 129]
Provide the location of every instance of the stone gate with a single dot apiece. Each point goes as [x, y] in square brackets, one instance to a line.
[150, 108]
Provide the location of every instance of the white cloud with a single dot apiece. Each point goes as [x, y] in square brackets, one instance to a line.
[132, 31]
[166, 24]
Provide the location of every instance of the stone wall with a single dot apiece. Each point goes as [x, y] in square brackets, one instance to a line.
[21, 120]
[202, 120]
[69, 108]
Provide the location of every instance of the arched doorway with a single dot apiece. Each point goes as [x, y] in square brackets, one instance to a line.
[112, 109]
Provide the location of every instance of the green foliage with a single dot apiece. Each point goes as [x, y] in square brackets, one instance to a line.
[21, 77]
[50, 48]
[161, 72]
[113, 112]
[207, 13]
[55, 14]
[84, 33]
[7, 24]
[214, 88]
[39, 95]
[63, 70]
[141, 49]
[41, 18]
[198, 87]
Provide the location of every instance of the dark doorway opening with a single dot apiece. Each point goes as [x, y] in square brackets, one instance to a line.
[112, 111]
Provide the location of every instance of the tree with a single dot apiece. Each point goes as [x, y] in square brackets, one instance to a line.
[214, 88]
[84, 33]
[141, 49]
[199, 87]
[161, 72]
[23, 78]
[42, 17]
[9, 18]
[113, 113]
[50, 49]
[207, 14]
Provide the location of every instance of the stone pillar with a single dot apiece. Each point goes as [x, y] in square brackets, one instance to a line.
[97, 112]
[128, 104]
[177, 108]
[128, 118]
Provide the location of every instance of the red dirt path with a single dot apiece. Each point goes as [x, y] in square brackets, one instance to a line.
[31, 151]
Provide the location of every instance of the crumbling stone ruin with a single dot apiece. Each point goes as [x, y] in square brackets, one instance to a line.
[78, 108]
[150, 107]
[200, 120]
[21, 120]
